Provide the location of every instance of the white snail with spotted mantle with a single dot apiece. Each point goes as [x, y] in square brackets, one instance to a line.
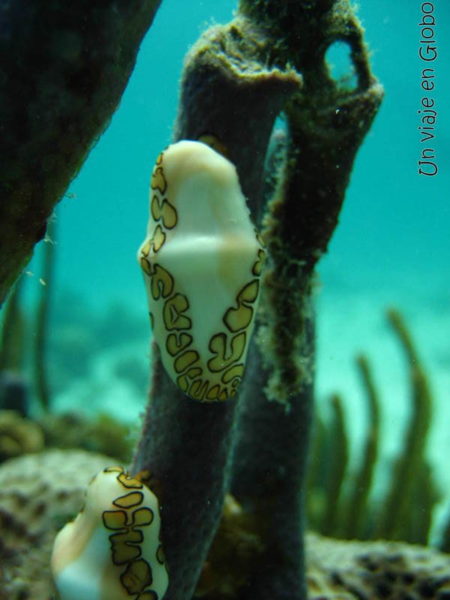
[202, 261]
[112, 550]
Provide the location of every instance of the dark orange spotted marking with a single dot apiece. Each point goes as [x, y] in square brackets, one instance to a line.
[126, 523]
[137, 576]
[173, 313]
[176, 342]
[162, 283]
[129, 500]
[161, 209]
[158, 180]
[185, 360]
[225, 356]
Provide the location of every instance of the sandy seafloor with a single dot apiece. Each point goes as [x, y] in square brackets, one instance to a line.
[391, 248]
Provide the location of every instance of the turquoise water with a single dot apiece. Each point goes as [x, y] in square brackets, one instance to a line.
[390, 249]
[394, 226]
[392, 246]
[106, 220]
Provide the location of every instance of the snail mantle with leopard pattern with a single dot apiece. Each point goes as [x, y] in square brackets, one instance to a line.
[112, 550]
[202, 261]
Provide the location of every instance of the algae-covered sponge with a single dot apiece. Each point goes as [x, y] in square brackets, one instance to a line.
[202, 261]
[112, 549]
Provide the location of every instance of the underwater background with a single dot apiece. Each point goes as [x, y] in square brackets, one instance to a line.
[391, 248]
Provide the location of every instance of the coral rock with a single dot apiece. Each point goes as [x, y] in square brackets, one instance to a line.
[18, 435]
[39, 493]
[342, 570]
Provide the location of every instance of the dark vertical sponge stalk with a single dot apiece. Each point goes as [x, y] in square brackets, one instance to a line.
[326, 123]
[268, 474]
[236, 81]
[64, 67]
[13, 388]
[273, 436]
[185, 445]
[40, 339]
[12, 342]
[226, 95]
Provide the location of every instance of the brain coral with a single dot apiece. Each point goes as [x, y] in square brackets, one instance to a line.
[371, 570]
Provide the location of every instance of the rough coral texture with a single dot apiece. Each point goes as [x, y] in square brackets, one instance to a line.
[103, 434]
[39, 493]
[18, 435]
[366, 570]
[335, 569]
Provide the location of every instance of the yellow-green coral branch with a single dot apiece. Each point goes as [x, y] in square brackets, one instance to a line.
[356, 503]
[408, 465]
[337, 467]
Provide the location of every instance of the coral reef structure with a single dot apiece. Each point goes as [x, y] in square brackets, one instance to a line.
[18, 435]
[38, 494]
[364, 570]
